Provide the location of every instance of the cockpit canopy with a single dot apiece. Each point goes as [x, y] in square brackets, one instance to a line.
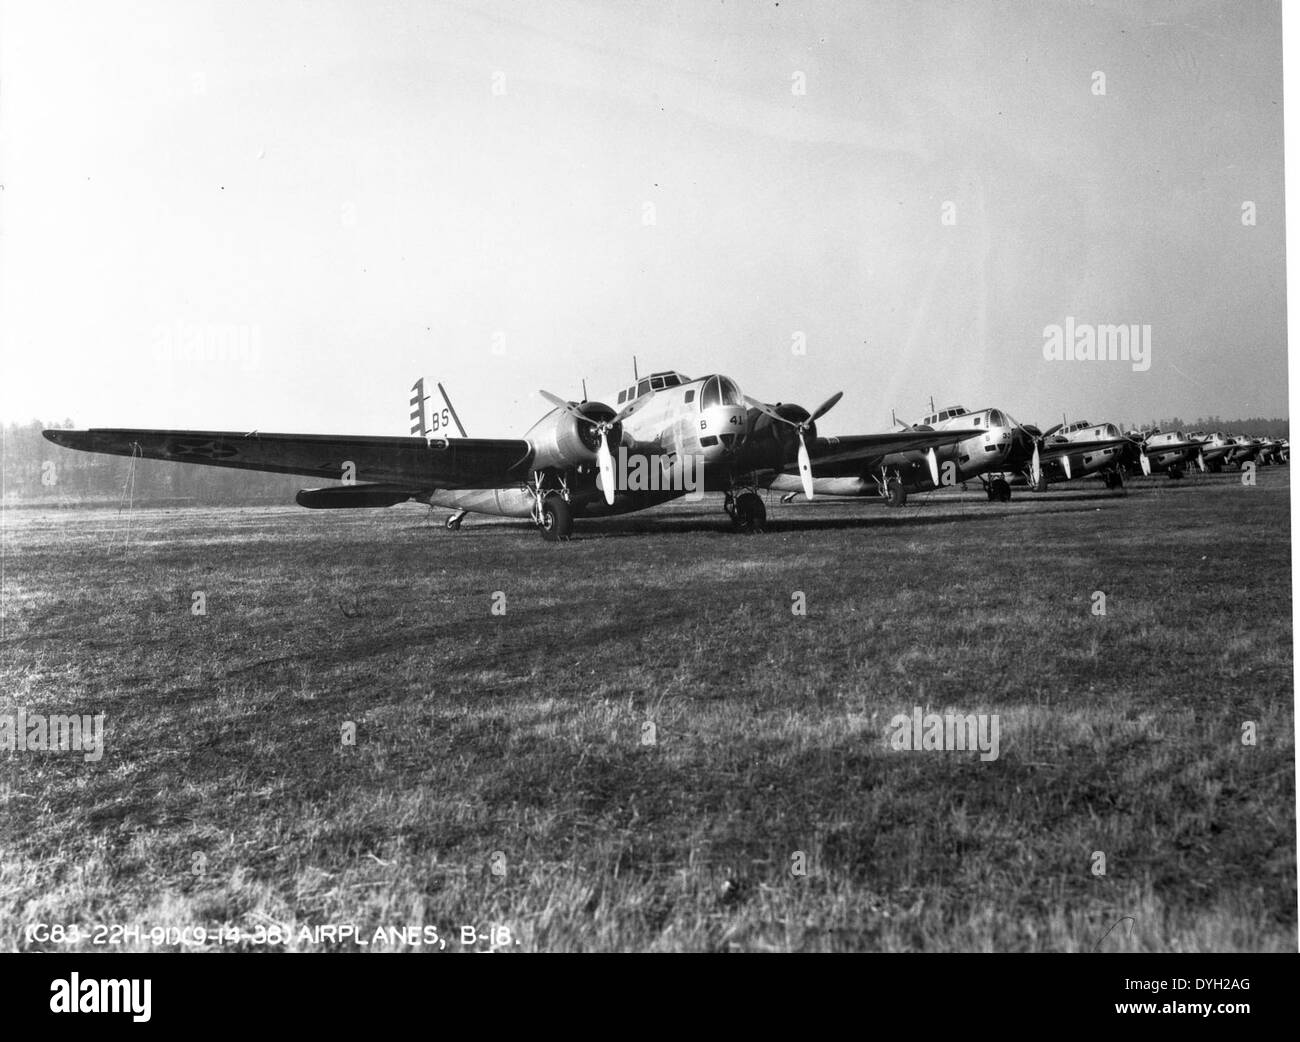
[653, 382]
[944, 414]
[718, 390]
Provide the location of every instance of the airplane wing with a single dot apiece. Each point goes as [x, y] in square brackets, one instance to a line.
[1053, 450]
[838, 457]
[415, 464]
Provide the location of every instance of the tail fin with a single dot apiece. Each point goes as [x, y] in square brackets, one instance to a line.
[418, 398]
[439, 422]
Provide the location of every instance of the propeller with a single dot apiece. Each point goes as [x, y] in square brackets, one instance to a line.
[805, 463]
[604, 455]
[1036, 462]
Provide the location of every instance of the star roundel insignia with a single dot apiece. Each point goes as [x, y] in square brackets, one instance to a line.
[203, 450]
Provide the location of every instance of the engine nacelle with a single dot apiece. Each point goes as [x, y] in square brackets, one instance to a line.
[771, 445]
[560, 440]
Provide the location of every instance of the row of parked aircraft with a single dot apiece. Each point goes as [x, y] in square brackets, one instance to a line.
[701, 435]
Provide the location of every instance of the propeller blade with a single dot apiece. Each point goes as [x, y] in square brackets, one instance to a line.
[560, 403]
[932, 458]
[1200, 462]
[605, 460]
[767, 410]
[1031, 430]
[1065, 465]
[1146, 465]
[826, 407]
[805, 468]
[1036, 467]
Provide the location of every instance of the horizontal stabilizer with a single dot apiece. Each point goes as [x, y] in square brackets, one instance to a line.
[350, 497]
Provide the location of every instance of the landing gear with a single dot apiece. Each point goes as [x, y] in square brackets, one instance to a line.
[895, 493]
[556, 519]
[1175, 473]
[1113, 478]
[999, 491]
[453, 522]
[1041, 484]
[748, 514]
[552, 513]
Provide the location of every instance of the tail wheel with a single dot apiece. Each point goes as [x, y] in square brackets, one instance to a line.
[895, 493]
[557, 519]
[453, 523]
[750, 514]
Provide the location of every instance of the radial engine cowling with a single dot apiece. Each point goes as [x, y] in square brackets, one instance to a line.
[562, 440]
[772, 445]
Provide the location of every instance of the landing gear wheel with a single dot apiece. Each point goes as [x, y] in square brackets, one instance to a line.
[453, 523]
[729, 505]
[750, 515]
[999, 491]
[895, 493]
[1175, 473]
[557, 519]
[1113, 479]
[1041, 484]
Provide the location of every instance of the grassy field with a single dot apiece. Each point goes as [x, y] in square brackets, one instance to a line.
[503, 772]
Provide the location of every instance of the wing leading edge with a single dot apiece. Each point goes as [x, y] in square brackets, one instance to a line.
[415, 464]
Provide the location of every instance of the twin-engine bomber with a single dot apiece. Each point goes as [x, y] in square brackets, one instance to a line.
[702, 434]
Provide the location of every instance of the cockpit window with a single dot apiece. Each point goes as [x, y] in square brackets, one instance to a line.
[997, 419]
[718, 390]
[657, 383]
[642, 388]
[622, 397]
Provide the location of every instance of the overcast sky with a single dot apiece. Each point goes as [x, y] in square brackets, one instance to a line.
[277, 215]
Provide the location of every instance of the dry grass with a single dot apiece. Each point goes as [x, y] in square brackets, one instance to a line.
[522, 733]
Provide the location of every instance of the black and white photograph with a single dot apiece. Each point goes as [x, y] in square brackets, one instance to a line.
[645, 477]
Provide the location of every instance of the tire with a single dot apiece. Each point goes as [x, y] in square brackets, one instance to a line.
[750, 514]
[1000, 491]
[895, 493]
[453, 523]
[557, 519]
[1175, 473]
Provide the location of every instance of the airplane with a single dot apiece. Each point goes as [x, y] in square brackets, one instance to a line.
[1245, 451]
[983, 444]
[1079, 449]
[564, 466]
[1270, 451]
[1216, 447]
[1168, 451]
